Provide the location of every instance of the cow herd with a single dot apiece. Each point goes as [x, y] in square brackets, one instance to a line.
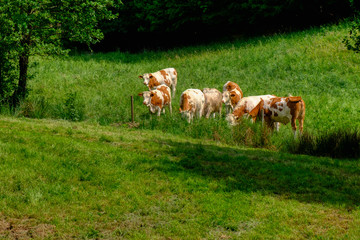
[270, 109]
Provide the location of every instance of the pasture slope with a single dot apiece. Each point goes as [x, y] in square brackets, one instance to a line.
[64, 180]
[312, 63]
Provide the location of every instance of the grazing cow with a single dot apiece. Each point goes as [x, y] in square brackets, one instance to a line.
[227, 88]
[157, 99]
[230, 99]
[213, 102]
[192, 102]
[167, 76]
[247, 106]
[284, 110]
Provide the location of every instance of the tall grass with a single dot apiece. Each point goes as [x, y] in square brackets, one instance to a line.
[312, 63]
[343, 143]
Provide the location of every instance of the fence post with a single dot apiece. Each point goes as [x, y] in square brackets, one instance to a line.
[132, 108]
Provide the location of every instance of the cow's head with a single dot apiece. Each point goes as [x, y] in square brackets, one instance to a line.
[147, 97]
[146, 77]
[236, 116]
[226, 97]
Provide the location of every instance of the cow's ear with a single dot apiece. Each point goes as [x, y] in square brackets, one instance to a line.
[141, 77]
[151, 76]
[141, 94]
[294, 99]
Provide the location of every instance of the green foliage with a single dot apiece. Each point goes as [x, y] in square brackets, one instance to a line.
[30, 27]
[352, 41]
[232, 16]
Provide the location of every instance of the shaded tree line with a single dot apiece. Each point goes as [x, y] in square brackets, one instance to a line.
[158, 23]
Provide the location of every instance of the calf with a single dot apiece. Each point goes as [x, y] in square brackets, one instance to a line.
[192, 102]
[157, 99]
[227, 88]
[167, 76]
[284, 110]
[213, 102]
[230, 99]
[247, 106]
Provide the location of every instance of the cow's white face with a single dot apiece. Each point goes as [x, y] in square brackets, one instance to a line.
[146, 96]
[146, 78]
[226, 98]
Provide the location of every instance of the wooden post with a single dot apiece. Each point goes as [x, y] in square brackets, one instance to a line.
[132, 108]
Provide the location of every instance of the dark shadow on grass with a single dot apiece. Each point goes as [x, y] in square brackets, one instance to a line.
[304, 178]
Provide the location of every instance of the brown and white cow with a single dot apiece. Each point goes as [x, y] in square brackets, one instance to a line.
[230, 99]
[213, 102]
[167, 76]
[192, 102]
[227, 88]
[157, 99]
[284, 110]
[247, 106]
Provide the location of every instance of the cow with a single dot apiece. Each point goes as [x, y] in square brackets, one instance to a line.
[192, 102]
[167, 76]
[227, 88]
[230, 99]
[247, 106]
[213, 102]
[284, 110]
[157, 99]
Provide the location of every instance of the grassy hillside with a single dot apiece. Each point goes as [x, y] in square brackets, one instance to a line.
[312, 63]
[88, 181]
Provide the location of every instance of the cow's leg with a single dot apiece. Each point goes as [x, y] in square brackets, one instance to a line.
[170, 108]
[201, 111]
[163, 110]
[173, 89]
[208, 113]
[228, 109]
[293, 125]
[277, 125]
[190, 118]
[301, 125]
[214, 114]
[159, 112]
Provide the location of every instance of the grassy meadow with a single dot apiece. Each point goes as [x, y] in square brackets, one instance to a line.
[85, 181]
[73, 167]
[313, 64]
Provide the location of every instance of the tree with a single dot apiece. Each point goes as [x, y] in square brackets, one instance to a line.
[30, 27]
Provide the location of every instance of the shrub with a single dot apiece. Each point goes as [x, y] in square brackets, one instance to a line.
[352, 41]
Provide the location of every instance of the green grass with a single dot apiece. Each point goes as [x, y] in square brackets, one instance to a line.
[312, 63]
[168, 179]
[88, 181]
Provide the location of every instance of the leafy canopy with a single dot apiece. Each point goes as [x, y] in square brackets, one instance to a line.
[31, 27]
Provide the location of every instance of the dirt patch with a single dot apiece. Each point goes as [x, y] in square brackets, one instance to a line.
[26, 228]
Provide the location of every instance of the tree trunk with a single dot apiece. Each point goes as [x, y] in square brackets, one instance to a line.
[20, 92]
